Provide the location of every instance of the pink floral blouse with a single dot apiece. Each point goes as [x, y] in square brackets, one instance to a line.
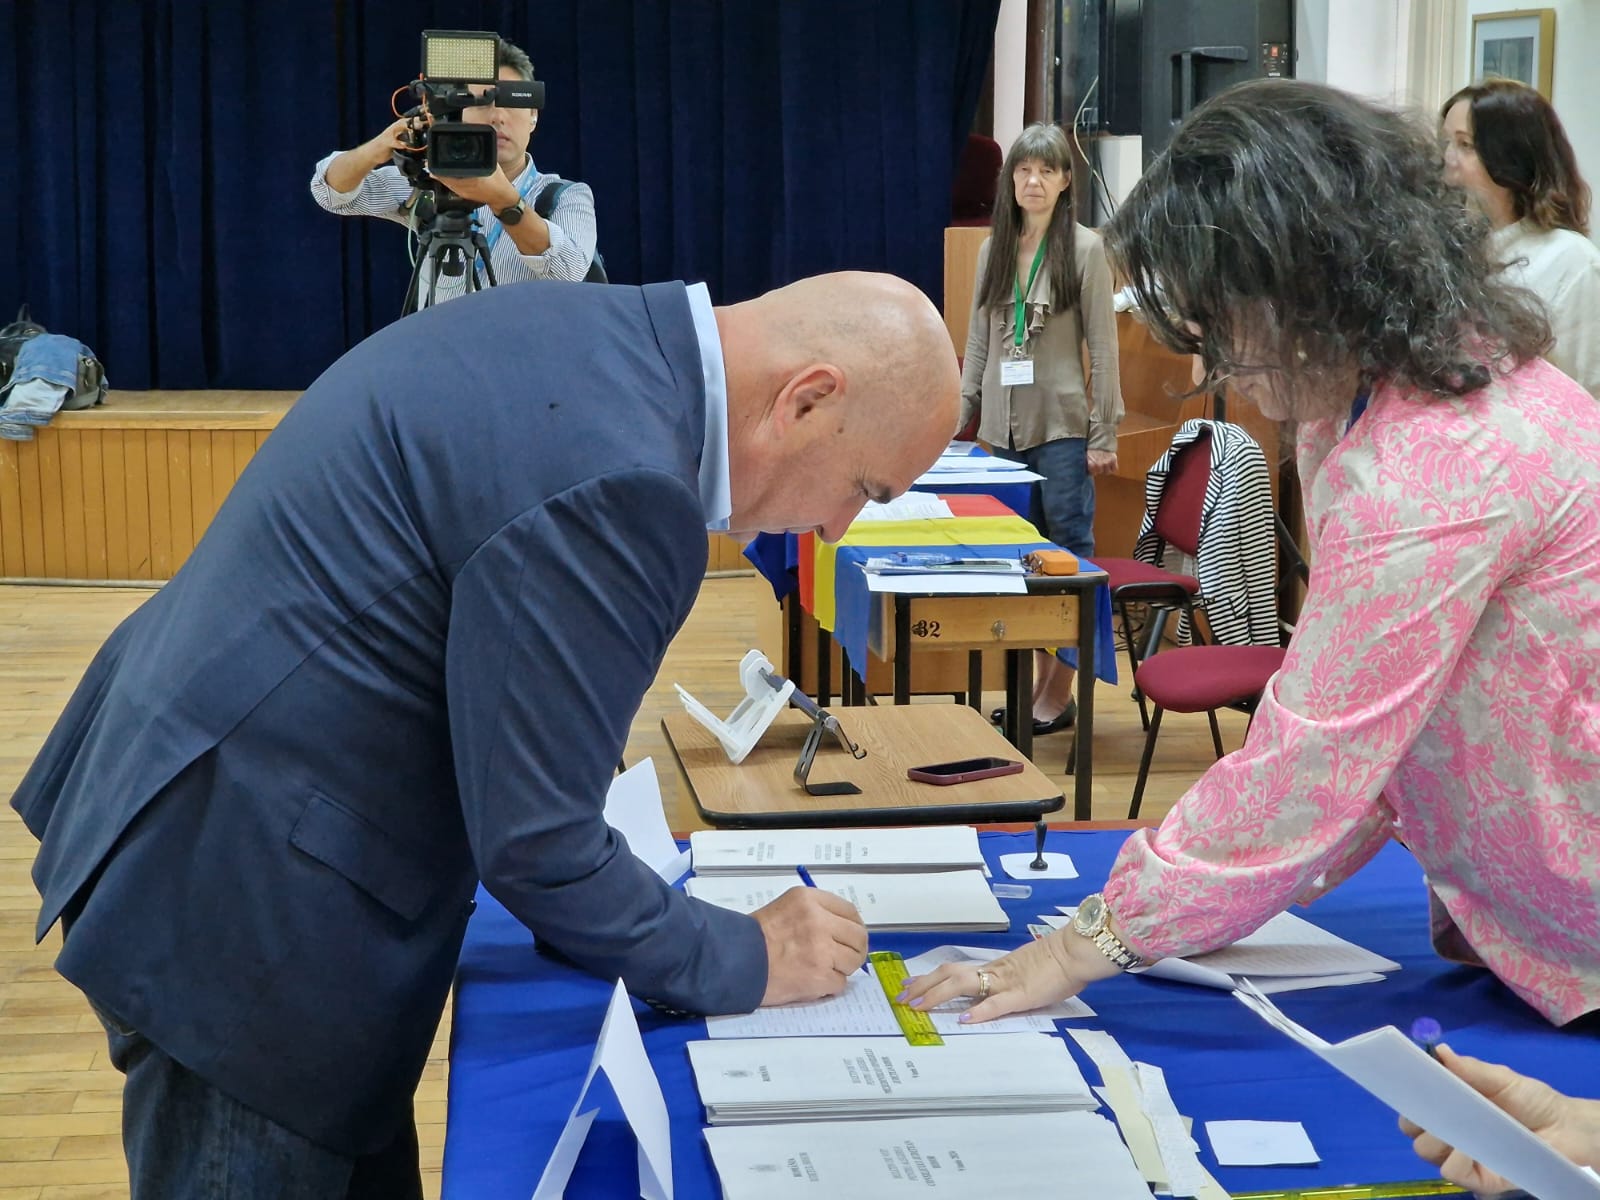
[1442, 687]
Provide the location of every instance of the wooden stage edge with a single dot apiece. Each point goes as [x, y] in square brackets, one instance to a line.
[120, 494]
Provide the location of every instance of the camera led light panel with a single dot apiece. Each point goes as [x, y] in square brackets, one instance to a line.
[459, 56]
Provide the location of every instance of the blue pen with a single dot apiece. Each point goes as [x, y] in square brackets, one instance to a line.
[1425, 1032]
[805, 877]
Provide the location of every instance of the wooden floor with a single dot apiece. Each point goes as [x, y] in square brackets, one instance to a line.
[59, 1099]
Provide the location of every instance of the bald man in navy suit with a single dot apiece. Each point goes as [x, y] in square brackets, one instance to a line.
[403, 659]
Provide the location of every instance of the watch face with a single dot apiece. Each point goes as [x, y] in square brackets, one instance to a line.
[1091, 918]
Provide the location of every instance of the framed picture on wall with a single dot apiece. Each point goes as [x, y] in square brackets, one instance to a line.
[1517, 45]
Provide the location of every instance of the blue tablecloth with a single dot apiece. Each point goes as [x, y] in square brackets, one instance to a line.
[525, 1029]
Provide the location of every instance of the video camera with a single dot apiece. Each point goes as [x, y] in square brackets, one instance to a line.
[452, 61]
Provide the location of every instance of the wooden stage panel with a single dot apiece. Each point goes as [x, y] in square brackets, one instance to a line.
[125, 491]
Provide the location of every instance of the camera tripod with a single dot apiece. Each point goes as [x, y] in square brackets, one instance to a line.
[447, 240]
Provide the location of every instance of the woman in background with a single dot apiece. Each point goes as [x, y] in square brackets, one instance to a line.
[1505, 146]
[1442, 685]
[1042, 296]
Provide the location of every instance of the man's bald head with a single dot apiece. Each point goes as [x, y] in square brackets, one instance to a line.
[841, 388]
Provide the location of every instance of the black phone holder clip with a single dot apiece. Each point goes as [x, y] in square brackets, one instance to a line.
[824, 722]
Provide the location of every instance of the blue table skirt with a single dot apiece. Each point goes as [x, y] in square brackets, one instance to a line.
[525, 1028]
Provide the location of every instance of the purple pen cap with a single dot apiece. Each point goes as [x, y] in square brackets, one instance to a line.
[1426, 1032]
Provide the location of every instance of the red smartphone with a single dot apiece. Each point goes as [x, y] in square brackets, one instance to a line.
[963, 770]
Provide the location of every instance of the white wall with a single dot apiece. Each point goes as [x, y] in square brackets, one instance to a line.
[1010, 70]
[1576, 85]
[1361, 46]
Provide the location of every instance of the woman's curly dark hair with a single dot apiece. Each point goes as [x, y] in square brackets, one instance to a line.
[1310, 231]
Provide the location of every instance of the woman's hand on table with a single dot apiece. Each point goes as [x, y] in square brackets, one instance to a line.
[1040, 973]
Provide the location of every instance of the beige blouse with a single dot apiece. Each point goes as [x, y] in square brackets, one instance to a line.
[1056, 404]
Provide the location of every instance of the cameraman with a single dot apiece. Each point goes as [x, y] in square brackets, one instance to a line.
[522, 244]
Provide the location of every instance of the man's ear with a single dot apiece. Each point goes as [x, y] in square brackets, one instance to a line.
[815, 391]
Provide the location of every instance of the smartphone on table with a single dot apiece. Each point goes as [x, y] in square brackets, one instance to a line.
[963, 770]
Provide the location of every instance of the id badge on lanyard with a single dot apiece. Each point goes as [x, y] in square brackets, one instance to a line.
[1017, 370]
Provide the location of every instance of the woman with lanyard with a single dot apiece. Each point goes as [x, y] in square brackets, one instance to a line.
[1442, 686]
[1043, 294]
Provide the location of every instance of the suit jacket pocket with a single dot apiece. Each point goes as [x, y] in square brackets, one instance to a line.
[364, 854]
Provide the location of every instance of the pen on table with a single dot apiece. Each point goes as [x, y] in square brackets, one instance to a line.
[1426, 1032]
[805, 876]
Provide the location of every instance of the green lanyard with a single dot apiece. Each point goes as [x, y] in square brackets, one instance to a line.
[1021, 330]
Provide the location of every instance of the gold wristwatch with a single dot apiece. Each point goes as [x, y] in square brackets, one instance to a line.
[1092, 922]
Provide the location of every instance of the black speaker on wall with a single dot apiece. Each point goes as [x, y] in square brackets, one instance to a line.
[1193, 49]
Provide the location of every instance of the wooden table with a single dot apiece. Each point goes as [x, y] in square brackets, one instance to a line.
[1058, 610]
[761, 791]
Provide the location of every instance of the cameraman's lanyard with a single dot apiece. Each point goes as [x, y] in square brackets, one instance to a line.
[1017, 370]
[531, 178]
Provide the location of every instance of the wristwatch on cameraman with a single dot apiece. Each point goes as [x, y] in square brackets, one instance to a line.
[1092, 922]
[512, 214]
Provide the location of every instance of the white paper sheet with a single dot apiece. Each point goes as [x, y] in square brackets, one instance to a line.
[916, 848]
[620, 1054]
[1290, 945]
[901, 900]
[862, 1008]
[948, 584]
[634, 809]
[1057, 866]
[956, 1158]
[975, 462]
[910, 506]
[1394, 1069]
[1260, 1143]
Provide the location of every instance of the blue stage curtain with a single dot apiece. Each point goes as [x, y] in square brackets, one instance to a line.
[159, 154]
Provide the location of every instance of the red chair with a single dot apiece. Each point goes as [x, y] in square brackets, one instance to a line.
[973, 187]
[1177, 524]
[1194, 679]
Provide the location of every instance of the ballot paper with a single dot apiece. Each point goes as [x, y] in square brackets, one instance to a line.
[863, 1009]
[634, 809]
[955, 461]
[1394, 1069]
[901, 901]
[752, 1080]
[1287, 954]
[1074, 1154]
[919, 848]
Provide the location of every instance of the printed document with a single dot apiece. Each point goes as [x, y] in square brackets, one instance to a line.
[1075, 1154]
[862, 1008]
[752, 1080]
[1397, 1071]
[920, 848]
[936, 900]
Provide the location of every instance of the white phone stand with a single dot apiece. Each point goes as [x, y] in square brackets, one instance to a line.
[763, 701]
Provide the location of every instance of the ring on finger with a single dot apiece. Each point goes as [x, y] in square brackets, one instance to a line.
[985, 983]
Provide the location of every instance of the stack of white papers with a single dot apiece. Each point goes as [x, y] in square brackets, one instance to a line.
[911, 506]
[960, 1158]
[1394, 1069]
[809, 1079]
[752, 852]
[863, 1009]
[939, 900]
[1287, 954]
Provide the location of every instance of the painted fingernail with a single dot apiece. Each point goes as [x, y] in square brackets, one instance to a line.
[900, 999]
[964, 1018]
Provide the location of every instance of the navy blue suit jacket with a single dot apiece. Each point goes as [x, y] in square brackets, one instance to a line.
[404, 656]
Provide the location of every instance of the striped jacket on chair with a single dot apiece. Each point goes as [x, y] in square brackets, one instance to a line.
[1237, 561]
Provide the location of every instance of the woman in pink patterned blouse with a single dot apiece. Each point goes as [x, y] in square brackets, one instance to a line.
[1443, 683]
